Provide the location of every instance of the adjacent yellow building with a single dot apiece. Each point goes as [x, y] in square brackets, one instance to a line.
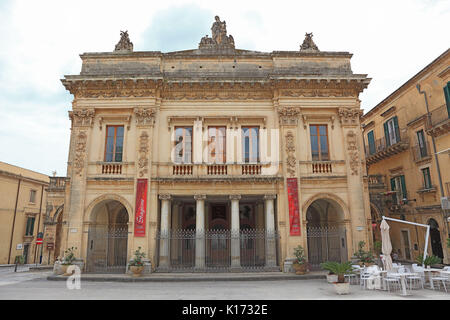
[407, 145]
[23, 201]
[216, 158]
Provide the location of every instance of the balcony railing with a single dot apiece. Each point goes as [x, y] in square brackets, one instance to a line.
[439, 121]
[57, 183]
[381, 149]
[322, 168]
[377, 181]
[111, 169]
[232, 169]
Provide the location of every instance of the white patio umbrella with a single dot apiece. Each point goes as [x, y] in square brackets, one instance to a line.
[386, 246]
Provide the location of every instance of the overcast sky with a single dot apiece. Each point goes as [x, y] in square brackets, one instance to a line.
[41, 41]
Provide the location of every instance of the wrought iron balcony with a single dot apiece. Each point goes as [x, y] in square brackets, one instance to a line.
[439, 121]
[421, 153]
[381, 149]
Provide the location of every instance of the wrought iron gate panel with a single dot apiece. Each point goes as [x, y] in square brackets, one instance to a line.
[217, 243]
[325, 244]
[107, 249]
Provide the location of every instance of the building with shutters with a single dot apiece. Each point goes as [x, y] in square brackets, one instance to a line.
[215, 158]
[407, 145]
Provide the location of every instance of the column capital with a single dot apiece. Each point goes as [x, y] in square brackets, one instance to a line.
[270, 196]
[235, 196]
[200, 196]
[165, 196]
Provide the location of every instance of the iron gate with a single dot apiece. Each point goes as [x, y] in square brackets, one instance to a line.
[217, 243]
[107, 252]
[326, 243]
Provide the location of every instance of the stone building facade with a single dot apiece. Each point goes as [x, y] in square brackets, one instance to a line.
[215, 158]
[407, 145]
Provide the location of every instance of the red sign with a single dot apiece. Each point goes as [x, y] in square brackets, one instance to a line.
[294, 216]
[141, 205]
[39, 241]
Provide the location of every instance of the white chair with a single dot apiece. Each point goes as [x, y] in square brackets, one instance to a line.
[391, 280]
[418, 278]
[363, 277]
[440, 279]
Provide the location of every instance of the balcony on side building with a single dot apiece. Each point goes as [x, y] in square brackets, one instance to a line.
[57, 184]
[439, 121]
[421, 152]
[381, 149]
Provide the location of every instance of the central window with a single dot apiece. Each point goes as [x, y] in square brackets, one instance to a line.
[250, 144]
[183, 145]
[319, 142]
[217, 144]
[114, 144]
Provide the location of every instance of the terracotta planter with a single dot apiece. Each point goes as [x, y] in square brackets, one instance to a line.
[342, 288]
[299, 268]
[331, 278]
[136, 270]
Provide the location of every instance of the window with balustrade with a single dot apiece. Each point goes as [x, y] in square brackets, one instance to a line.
[217, 144]
[319, 142]
[250, 144]
[398, 184]
[114, 143]
[392, 131]
[183, 145]
[371, 141]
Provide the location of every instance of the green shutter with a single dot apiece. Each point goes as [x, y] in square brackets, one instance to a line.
[447, 97]
[394, 197]
[404, 193]
[371, 141]
[27, 230]
[397, 131]
[386, 134]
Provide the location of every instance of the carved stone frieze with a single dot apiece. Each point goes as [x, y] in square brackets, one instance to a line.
[82, 117]
[353, 154]
[144, 116]
[80, 151]
[111, 88]
[143, 153]
[288, 115]
[291, 161]
[349, 116]
[217, 95]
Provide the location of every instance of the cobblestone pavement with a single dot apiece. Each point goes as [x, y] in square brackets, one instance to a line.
[34, 285]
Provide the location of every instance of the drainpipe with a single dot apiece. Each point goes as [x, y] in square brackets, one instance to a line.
[14, 221]
[441, 187]
[39, 226]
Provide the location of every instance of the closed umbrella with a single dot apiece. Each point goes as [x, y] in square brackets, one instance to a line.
[386, 246]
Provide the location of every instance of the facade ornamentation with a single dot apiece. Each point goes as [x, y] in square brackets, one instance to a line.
[219, 37]
[308, 44]
[124, 43]
[352, 147]
[288, 115]
[165, 196]
[349, 116]
[217, 95]
[80, 151]
[82, 118]
[144, 116]
[143, 153]
[291, 161]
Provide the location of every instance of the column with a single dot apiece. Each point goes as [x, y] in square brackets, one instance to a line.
[200, 231]
[235, 230]
[270, 231]
[164, 231]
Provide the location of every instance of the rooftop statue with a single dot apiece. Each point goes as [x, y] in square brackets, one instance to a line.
[308, 44]
[124, 43]
[219, 36]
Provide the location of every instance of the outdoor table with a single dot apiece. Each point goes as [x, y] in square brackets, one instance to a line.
[430, 275]
[403, 281]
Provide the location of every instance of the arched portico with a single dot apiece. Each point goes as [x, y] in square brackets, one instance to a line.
[108, 237]
[326, 231]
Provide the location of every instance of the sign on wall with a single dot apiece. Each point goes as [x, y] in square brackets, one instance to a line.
[141, 205]
[294, 216]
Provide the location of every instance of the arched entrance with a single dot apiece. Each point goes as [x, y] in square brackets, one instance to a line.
[326, 234]
[435, 236]
[108, 238]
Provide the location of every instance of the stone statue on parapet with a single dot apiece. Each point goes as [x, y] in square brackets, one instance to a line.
[308, 44]
[219, 37]
[124, 43]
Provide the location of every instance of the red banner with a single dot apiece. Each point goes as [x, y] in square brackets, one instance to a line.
[141, 205]
[294, 216]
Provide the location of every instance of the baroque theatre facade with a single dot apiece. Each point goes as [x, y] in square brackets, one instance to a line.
[216, 158]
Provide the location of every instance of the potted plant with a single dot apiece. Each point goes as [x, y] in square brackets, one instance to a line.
[331, 276]
[340, 269]
[300, 264]
[68, 260]
[428, 261]
[364, 257]
[137, 265]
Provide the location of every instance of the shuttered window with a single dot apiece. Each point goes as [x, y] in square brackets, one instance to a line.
[391, 131]
[371, 141]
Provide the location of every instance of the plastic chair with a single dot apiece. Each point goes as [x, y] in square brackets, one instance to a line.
[391, 280]
[440, 279]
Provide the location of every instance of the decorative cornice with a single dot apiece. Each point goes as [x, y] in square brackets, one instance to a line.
[84, 88]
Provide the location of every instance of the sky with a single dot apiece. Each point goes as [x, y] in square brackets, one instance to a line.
[41, 41]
